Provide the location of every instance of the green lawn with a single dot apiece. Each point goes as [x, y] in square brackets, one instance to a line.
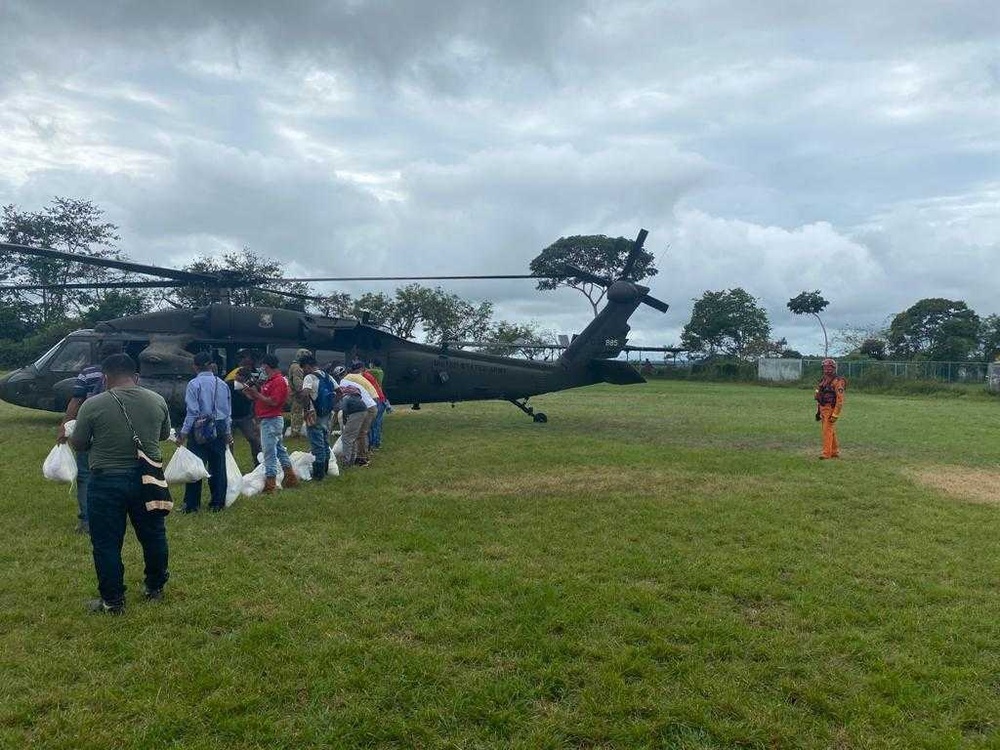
[665, 565]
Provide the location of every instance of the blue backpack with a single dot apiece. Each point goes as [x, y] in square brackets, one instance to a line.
[324, 394]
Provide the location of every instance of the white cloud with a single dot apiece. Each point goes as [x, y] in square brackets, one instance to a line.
[780, 147]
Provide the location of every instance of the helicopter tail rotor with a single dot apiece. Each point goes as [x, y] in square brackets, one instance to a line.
[624, 287]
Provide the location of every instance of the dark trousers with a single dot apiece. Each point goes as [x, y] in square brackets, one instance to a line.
[114, 495]
[251, 431]
[82, 481]
[213, 454]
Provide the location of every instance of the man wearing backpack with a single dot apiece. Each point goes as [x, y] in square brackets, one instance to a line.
[317, 396]
[207, 430]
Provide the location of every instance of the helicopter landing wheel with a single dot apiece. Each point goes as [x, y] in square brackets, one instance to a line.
[523, 406]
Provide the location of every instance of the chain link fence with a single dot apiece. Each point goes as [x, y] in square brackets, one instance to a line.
[865, 369]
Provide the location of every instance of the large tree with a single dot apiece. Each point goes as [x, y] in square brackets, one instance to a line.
[989, 338]
[439, 315]
[71, 225]
[935, 329]
[334, 305]
[508, 339]
[811, 303]
[729, 322]
[241, 267]
[448, 317]
[598, 254]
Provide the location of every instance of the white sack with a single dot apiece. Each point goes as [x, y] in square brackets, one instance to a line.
[253, 483]
[234, 479]
[333, 468]
[184, 467]
[69, 427]
[302, 463]
[338, 448]
[60, 464]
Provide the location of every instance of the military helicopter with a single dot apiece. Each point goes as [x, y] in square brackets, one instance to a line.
[164, 343]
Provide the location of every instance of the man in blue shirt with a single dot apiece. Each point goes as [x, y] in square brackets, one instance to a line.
[89, 382]
[207, 400]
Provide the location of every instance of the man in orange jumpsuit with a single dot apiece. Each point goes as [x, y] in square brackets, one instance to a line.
[830, 402]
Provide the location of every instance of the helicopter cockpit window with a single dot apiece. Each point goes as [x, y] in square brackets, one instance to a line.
[73, 357]
[43, 360]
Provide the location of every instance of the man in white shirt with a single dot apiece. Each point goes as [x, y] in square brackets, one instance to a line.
[370, 397]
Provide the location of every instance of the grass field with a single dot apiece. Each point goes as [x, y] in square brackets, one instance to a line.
[665, 565]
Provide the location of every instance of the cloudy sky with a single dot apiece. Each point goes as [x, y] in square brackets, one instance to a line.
[849, 147]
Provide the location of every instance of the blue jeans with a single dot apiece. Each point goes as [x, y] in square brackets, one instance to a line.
[319, 440]
[214, 455]
[82, 480]
[113, 496]
[271, 430]
[375, 434]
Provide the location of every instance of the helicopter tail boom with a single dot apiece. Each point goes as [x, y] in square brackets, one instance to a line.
[615, 372]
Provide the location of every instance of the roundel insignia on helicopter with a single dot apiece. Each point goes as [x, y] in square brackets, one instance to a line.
[266, 320]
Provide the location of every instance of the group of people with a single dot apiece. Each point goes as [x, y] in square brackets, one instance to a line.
[119, 427]
[117, 421]
[252, 398]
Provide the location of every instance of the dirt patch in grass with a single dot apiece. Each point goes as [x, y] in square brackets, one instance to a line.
[962, 482]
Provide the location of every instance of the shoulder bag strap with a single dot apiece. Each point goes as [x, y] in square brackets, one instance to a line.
[135, 435]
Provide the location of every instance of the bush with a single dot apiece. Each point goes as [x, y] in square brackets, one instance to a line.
[15, 354]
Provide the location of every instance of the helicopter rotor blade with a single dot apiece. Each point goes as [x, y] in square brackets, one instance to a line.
[94, 285]
[584, 275]
[121, 265]
[655, 303]
[633, 255]
[412, 278]
[292, 295]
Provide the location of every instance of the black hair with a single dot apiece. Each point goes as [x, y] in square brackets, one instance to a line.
[202, 359]
[308, 359]
[118, 365]
[270, 360]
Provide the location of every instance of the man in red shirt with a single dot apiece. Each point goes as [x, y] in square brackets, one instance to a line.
[269, 406]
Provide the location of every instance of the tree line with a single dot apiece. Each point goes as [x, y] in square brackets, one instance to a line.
[732, 323]
[32, 320]
[728, 323]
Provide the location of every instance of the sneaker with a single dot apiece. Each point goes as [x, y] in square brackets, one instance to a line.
[361, 462]
[99, 606]
[152, 595]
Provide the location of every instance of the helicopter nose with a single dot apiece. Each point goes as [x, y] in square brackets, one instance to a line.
[15, 386]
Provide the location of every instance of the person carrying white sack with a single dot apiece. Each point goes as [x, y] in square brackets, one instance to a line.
[207, 432]
[112, 425]
[354, 410]
[88, 383]
[317, 398]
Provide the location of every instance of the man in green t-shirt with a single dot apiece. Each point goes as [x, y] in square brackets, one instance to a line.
[116, 480]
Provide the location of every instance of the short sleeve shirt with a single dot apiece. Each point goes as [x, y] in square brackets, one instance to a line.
[102, 426]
